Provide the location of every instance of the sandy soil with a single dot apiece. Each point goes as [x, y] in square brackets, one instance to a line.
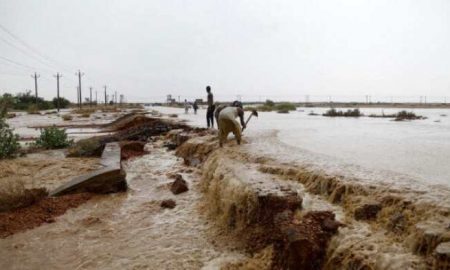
[47, 169]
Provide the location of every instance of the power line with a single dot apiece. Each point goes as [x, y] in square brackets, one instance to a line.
[26, 53]
[36, 52]
[17, 63]
[25, 44]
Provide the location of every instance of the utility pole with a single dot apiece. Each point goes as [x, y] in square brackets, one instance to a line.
[90, 96]
[105, 95]
[79, 74]
[35, 76]
[57, 76]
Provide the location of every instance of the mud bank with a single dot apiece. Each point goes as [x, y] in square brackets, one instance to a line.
[43, 211]
[262, 214]
[384, 228]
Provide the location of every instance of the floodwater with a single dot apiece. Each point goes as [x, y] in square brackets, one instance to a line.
[409, 154]
[27, 126]
[125, 231]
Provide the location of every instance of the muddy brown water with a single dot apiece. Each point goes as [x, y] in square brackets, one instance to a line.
[124, 231]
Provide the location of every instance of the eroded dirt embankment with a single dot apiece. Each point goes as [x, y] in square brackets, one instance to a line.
[384, 228]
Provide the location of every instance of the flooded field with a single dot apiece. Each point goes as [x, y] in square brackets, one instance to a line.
[415, 150]
[246, 205]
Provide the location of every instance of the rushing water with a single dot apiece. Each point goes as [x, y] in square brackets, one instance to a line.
[124, 231]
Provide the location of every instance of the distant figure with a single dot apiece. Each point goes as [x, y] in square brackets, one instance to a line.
[195, 107]
[211, 108]
[186, 106]
[227, 123]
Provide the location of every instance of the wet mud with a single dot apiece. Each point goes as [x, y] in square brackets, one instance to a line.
[44, 210]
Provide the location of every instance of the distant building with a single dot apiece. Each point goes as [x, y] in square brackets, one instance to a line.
[170, 100]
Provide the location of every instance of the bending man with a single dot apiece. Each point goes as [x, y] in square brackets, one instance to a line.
[227, 123]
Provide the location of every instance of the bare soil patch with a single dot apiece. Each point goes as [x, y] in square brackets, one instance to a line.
[44, 211]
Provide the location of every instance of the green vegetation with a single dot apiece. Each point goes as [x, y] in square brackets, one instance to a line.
[53, 138]
[63, 103]
[400, 116]
[269, 103]
[349, 113]
[404, 115]
[285, 106]
[269, 106]
[27, 101]
[9, 142]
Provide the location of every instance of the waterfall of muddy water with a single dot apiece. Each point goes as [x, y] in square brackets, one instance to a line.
[400, 235]
[125, 231]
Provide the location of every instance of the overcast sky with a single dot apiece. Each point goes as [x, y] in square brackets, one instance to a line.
[256, 49]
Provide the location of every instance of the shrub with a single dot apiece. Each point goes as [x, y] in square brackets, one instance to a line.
[67, 117]
[269, 103]
[33, 109]
[85, 115]
[404, 115]
[285, 106]
[63, 103]
[9, 142]
[349, 113]
[53, 138]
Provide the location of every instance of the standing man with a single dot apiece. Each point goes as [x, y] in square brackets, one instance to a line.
[211, 108]
[186, 106]
[195, 107]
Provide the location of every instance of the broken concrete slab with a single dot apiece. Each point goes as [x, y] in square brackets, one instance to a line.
[106, 180]
[111, 155]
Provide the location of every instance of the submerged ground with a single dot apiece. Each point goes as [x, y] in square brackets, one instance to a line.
[414, 151]
[346, 166]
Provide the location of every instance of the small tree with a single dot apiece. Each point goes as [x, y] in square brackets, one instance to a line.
[63, 103]
[269, 103]
[9, 142]
[53, 138]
